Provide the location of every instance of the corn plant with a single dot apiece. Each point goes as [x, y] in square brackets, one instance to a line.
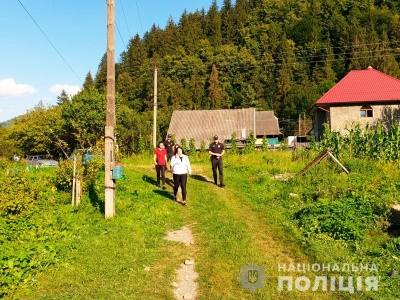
[378, 143]
[234, 148]
[192, 146]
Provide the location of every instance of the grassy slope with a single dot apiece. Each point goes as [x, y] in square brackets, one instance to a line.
[248, 221]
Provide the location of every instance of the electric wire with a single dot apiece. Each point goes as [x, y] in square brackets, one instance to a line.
[58, 52]
[123, 12]
[140, 20]
[292, 61]
[119, 32]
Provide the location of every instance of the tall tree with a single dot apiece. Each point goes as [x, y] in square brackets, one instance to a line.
[89, 83]
[62, 98]
[171, 37]
[39, 131]
[85, 118]
[227, 22]
[100, 81]
[191, 30]
[385, 60]
[214, 89]
[154, 41]
[133, 58]
[214, 25]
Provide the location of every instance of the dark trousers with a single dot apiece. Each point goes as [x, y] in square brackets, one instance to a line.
[217, 164]
[160, 173]
[169, 156]
[180, 180]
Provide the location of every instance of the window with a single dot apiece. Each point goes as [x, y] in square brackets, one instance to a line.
[366, 111]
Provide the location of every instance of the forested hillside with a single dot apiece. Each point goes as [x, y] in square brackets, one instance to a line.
[279, 55]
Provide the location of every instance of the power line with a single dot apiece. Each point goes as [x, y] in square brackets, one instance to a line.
[280, 59]
[119, 32]
[123, 11]
[140, 20]
[50, 41]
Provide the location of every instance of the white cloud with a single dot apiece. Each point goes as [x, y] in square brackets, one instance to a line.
[8, 87]
[69, 89]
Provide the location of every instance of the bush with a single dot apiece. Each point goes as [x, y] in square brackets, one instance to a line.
[86, 171]
[234, 148]
[192, 146]
[250, 144]
[346, 219]
[184, 145]
[17, 196]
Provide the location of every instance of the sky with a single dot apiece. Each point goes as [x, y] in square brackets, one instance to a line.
[47, 46]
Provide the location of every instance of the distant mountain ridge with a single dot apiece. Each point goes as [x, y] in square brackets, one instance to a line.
[7, 123]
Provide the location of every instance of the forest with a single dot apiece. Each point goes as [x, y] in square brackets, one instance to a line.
[279, 55]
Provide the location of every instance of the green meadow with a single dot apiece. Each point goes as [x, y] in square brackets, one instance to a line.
[324, 225]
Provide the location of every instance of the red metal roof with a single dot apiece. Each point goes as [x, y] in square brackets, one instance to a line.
[368, 85]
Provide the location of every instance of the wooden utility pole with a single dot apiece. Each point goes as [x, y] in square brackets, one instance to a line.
[109, 184]
[155, 108]
[73, 182]
[299, 125]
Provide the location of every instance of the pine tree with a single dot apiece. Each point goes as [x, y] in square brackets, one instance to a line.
[100, 81]
[134, 57]
[214, 89]
[227, 22]
[89, 83]
[63, 98]
[191, 30]
[170, 41]
[214, 25]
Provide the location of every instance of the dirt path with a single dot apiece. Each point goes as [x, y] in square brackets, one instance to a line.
[265, 240]
[186, 285]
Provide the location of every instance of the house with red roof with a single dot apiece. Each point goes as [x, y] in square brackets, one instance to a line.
[361, 97]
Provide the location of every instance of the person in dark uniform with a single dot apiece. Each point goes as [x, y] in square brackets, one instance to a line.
[216, 151]
[170, 147]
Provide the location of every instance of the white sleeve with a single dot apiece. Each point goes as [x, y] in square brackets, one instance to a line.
[173, 161]
[188, 166]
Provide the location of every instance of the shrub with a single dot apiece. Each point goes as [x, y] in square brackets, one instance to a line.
[17, 196]
[250, 144]
[184, 145]
[234, 148]
[345, 219]
[86, 171]
[202, 147]
[192, 147]
[264, 146]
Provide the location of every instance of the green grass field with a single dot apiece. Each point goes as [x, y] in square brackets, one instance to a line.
[255, 218]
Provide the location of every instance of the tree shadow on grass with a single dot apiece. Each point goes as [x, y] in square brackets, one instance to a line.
[94, 198]
[149, 179]
[201, 178]
[165, 194]
[169, 182]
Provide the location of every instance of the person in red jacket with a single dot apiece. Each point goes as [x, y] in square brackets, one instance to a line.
[160, 160]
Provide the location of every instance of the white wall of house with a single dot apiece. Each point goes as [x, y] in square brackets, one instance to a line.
[342, 116]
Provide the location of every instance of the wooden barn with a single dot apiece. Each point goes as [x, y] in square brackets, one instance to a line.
[202, 125]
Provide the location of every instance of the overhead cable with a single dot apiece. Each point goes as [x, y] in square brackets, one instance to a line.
[50, 42]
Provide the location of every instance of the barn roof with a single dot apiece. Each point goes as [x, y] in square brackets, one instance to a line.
[367, 85]
[266, 123]
[202, 125]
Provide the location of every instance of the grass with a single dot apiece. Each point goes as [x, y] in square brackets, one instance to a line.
[250, 220]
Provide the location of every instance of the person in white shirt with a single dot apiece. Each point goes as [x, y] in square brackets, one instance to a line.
[180, 168]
